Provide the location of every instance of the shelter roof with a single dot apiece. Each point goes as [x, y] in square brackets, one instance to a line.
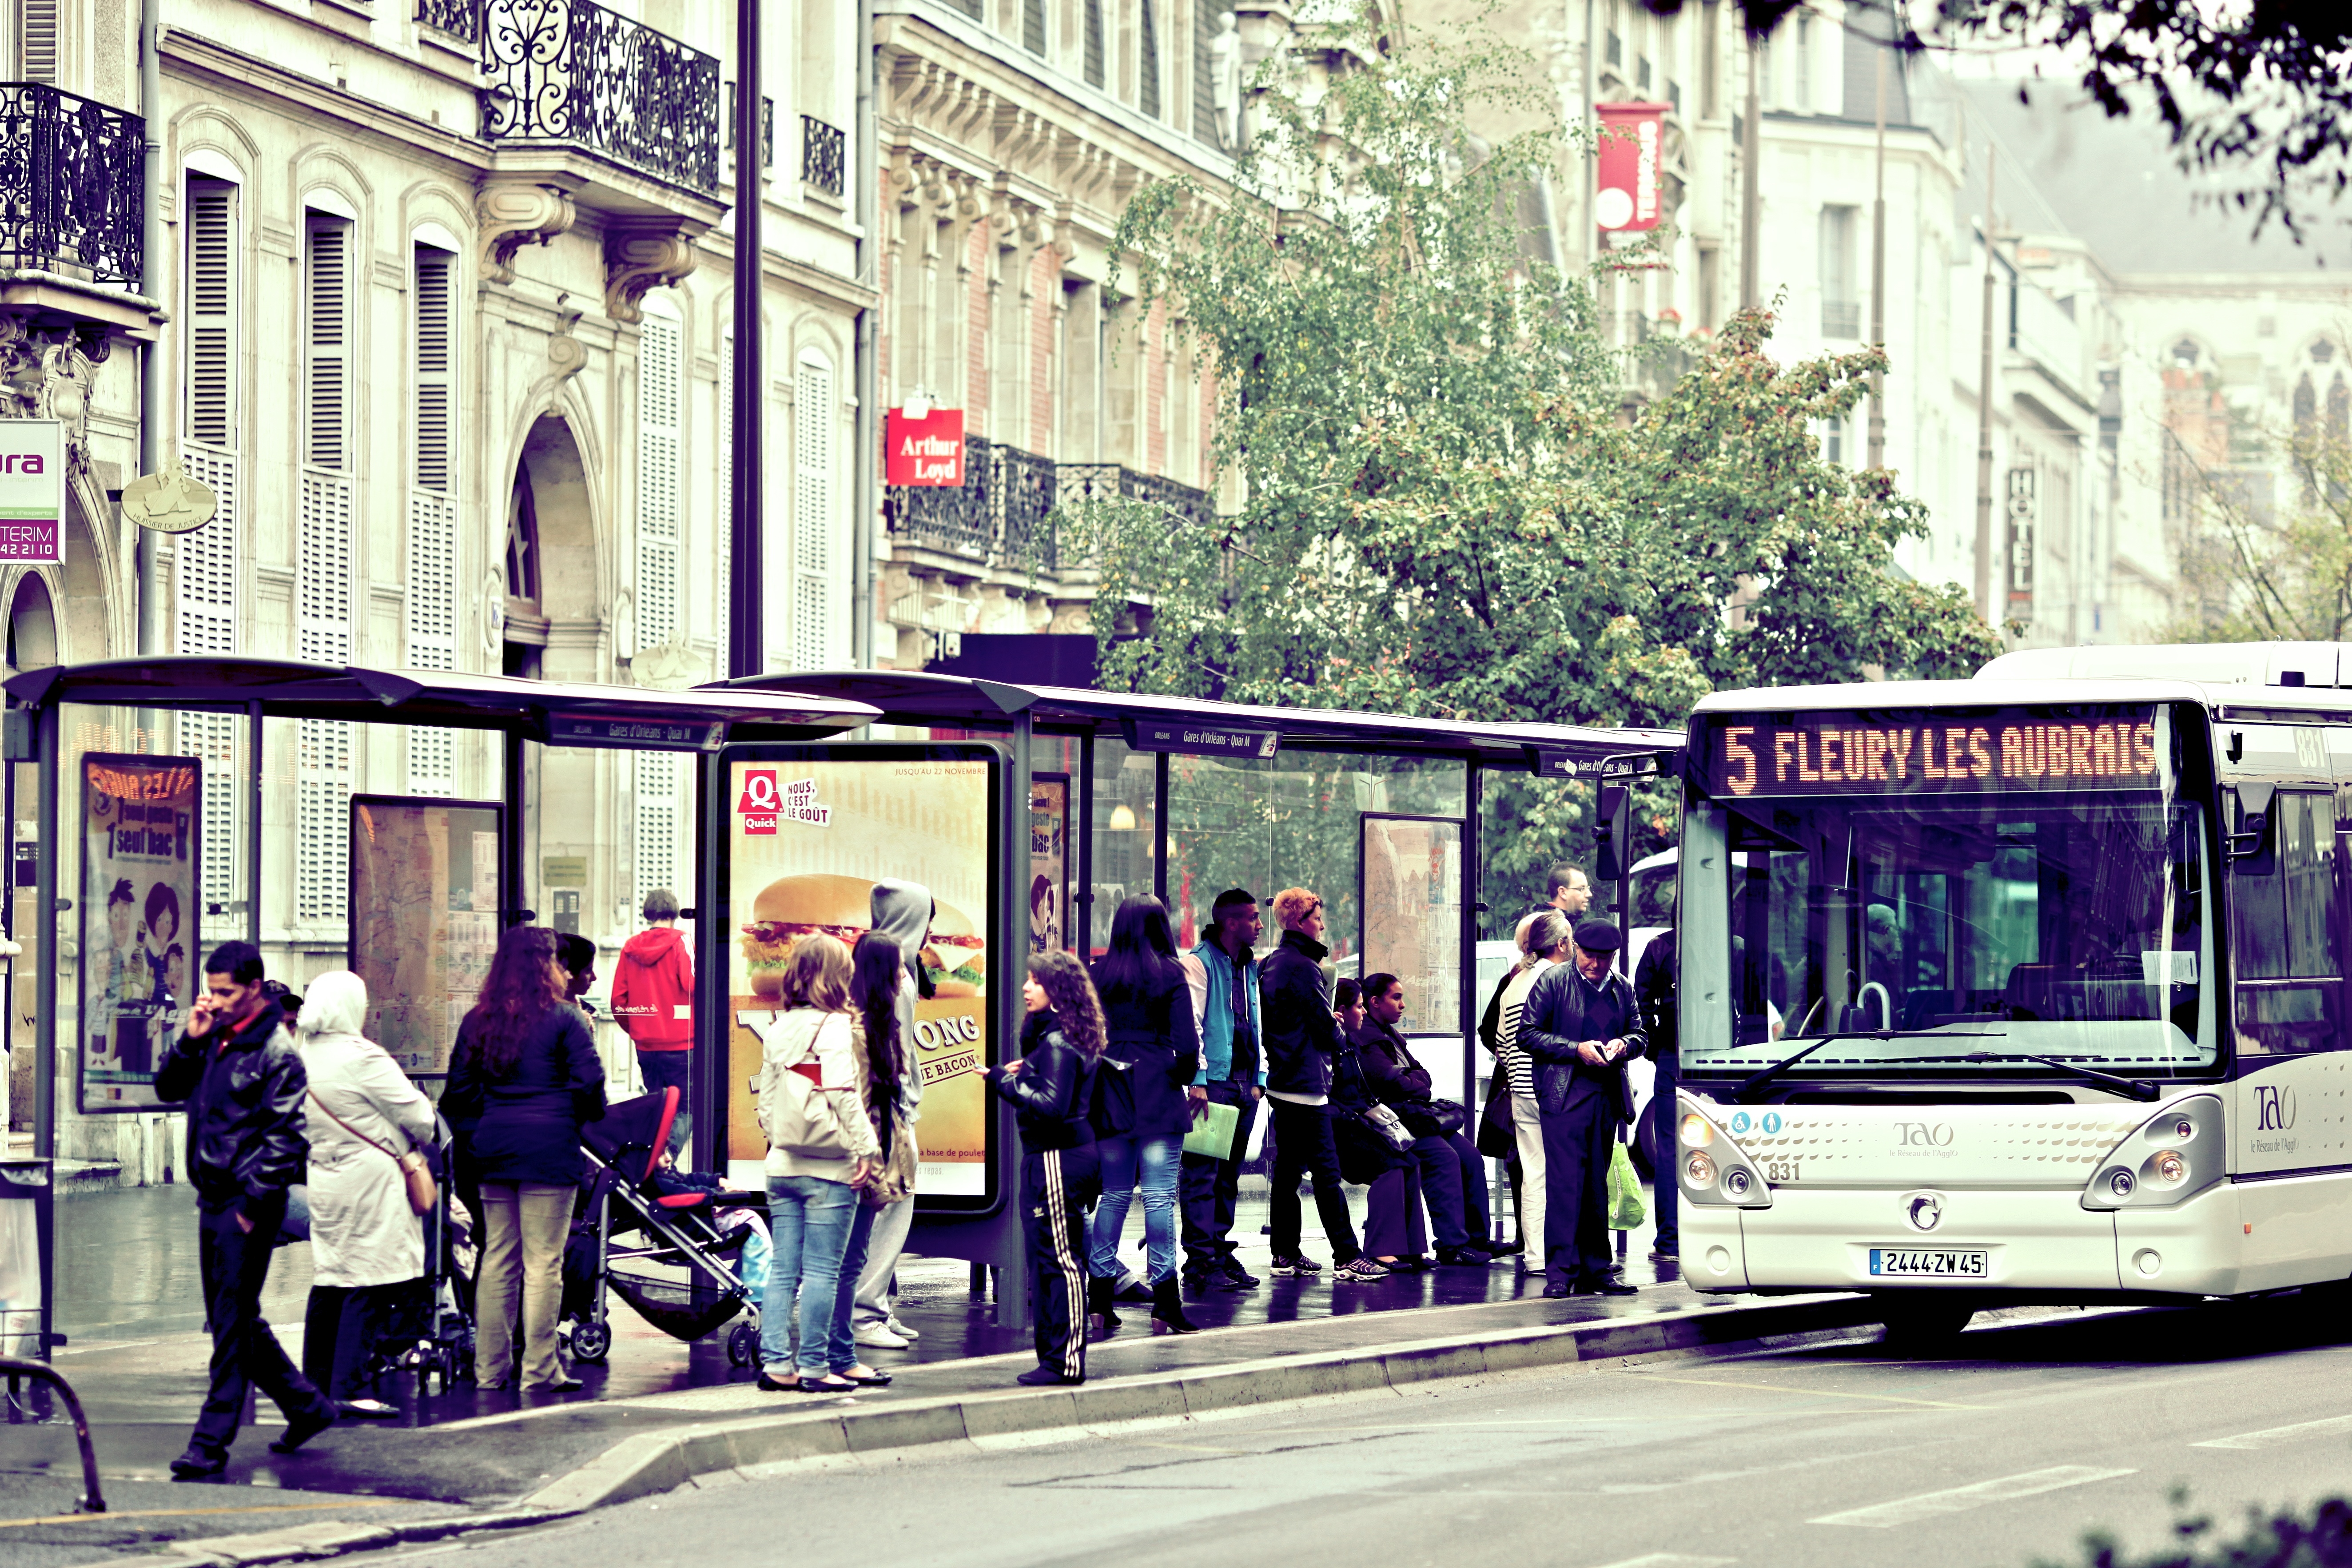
[448, 698]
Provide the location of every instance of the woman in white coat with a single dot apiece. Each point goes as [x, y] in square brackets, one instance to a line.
[367, 1244]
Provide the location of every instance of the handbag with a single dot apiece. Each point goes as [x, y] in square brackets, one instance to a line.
[1110, 1110]
[1388, 1124]
[795, 1114]
[1498, 1139]
[1625, 1208]
[896, 1180]
[422, 1194]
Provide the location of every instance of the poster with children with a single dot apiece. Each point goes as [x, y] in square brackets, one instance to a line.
[139, 919]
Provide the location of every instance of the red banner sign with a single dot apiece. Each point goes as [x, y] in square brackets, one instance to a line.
[927, 451]
[1626, 200]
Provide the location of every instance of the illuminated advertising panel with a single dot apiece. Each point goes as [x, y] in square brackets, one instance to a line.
[2083, 747]
[808, 832]
[141, 855]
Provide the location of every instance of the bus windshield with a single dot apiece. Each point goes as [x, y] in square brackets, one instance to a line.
[1914, 929]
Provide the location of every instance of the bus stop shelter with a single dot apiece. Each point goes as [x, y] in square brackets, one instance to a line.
[1029, 812]
[433, 877]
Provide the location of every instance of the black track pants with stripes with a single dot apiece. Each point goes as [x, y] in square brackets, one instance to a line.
[1056, 1187]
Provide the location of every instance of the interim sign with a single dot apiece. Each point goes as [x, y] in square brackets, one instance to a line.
[32, 491]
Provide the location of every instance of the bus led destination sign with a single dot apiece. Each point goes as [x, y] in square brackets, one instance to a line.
[1826, 755]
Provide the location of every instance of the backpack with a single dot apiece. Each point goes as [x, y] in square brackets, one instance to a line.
[796, 1112]
[1110, 1100]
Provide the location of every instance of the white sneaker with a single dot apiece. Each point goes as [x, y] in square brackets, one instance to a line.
[878, 1337]
[903, 1330]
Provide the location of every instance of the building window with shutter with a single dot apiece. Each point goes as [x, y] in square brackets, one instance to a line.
[37, 42]
[723, 585]
[1841, 285]
[204, 563]
[660, 372]
[1092, 59]
[813, 486]
[431, 572]
[1148, 80]
[323, 562]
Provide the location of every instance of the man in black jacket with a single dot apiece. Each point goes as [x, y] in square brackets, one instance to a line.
[1302, 1036]
[1581, 1026]
[243, 1081]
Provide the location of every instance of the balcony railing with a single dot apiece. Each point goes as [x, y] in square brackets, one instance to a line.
[1004, 511]
[71, 178]
[462, 18]
[569, 70]
[821, 155]
[1842, 318]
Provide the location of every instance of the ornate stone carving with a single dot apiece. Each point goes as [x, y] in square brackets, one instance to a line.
[514, 214]
[637, 259]
[565, 353]
[45, 373]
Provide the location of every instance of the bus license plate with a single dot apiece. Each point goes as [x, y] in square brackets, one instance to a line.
[1906, 1262]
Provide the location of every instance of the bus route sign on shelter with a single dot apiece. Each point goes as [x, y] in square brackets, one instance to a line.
[32, 491]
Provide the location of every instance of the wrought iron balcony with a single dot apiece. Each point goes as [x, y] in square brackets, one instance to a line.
[1003, 514]
[72, 176]
[569, 70]
[821, 155]
[462, 18]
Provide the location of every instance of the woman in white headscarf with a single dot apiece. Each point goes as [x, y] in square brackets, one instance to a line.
[367, 1244]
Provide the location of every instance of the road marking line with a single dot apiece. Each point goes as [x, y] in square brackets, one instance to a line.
[1818, 1393]
[1671, 1559]
[1959, 1500]
[2280, 1437]
[193, 1512]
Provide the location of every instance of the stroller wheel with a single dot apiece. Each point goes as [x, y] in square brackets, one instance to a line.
[742, 1345]
[591, 1341]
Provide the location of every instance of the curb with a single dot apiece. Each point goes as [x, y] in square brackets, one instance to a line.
[656, 1462]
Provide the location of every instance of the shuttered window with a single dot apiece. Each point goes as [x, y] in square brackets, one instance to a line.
[1147, 84]
[812, 524]
[1091, 44]
[723, 599]
[204, 600]
[659, 444]
[323, 564]
[432, 597]
[38, 40]
[661, 785]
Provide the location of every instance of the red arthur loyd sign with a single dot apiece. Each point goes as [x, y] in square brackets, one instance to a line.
[927, 451]
[1627, 198]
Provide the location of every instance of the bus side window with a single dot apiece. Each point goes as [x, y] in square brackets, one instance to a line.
[2287, 940]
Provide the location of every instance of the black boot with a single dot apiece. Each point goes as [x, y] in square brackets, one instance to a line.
[1098, 1303]
[1168, 1310]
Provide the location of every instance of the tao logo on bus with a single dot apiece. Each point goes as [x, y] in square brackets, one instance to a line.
[2273, 1108]
[1924, 1134]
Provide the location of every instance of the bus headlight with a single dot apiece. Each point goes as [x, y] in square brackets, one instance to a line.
[1715, 1169]
[2150, 1170]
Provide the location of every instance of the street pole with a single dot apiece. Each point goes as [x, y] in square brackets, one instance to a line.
[1752, 289]
[154, 365]
[1879, 282]
[865, 161]
[1589, 218]
[747, 625]
[1984, 414]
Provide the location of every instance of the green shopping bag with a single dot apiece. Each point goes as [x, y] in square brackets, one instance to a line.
[1213, 1135]
[1625, 1210]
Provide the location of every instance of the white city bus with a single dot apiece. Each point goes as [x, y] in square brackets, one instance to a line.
[2057, 956]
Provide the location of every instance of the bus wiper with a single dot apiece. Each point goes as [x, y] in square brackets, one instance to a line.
[2138, 1089]
[1755, 1081]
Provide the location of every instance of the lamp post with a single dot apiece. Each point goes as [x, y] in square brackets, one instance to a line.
[747, 629]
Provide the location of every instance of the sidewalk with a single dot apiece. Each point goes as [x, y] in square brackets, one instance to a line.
[137, 1358]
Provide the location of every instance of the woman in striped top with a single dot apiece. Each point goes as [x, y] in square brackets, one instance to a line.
[1548, 942]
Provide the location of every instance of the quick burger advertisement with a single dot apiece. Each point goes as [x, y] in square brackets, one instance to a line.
[808, 841]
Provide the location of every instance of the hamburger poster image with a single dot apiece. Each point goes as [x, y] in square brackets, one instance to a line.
[809, 840]
[138, 921]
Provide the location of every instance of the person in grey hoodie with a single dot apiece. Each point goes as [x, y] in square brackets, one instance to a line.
[901, 911]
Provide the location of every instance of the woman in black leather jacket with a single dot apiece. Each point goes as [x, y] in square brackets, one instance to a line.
[1049, 1085]
[1148, 1019]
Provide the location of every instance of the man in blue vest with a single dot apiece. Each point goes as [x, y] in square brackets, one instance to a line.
[1224, 975]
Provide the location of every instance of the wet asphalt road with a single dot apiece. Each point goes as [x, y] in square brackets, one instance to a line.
[2005, 1448]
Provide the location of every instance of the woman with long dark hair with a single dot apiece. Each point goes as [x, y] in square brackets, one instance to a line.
[877, 971]
[821, 1151]
[1154, 1050]
[523, 1078]
[1050, 1085]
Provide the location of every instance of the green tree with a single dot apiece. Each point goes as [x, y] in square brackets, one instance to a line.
[1447, 510]
[2273, 550]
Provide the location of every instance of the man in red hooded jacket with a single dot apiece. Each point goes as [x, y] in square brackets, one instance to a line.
[653, 1001]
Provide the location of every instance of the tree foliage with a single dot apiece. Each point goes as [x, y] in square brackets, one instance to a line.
[1451, 506]
[2273, 571]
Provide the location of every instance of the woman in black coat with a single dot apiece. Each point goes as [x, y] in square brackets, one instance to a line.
[1394, 1234]
[1154, 1052]
[523, 1080]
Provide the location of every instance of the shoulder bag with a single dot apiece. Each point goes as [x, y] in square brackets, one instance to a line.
[422, 1194]
[796, 1114]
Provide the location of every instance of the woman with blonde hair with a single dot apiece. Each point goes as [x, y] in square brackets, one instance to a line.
[821, 1151]
[1050, 1085]
[365, 1120]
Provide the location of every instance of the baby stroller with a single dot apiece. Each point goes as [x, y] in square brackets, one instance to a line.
[441, 1345]
[653, 1235]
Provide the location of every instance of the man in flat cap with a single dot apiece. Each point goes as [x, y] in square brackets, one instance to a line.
[1580, 1027]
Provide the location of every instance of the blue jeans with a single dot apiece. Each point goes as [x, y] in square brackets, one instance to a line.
[1668, 1199]
[812, 1221]
[1157, 1163]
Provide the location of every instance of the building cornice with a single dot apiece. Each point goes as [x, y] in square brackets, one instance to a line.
[238, 74]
